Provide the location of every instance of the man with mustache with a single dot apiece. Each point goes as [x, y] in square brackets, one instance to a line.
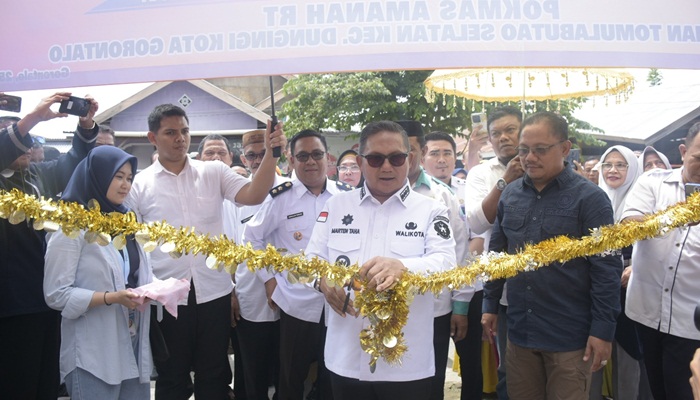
[561, 318]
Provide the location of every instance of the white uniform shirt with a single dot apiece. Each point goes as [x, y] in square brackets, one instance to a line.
[250, 289]
[459, 187]
[480, 181]
[193, 198]
[436, 190]
[355, 227]
[286, 220]
[663, 290]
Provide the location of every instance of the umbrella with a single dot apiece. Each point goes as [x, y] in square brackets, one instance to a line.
[504, 85]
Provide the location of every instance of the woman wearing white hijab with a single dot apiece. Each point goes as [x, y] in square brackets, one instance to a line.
[652, 158]
[619, 169]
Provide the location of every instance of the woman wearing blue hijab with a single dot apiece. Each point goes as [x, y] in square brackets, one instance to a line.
[105, 349]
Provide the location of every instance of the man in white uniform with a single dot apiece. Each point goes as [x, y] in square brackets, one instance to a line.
[388, 229]
[286, 220]
[451, 307]
[439, 160]
[663, 290]
[485, 183]
[191, 193]
[256, 323]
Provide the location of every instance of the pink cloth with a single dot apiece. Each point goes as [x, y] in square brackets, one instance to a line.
[168, 292]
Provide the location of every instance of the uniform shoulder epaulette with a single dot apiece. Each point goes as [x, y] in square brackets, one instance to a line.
[279, 189]
[343, 186]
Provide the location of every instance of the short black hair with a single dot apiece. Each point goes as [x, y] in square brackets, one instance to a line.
[413, 129]
[558, 124]
[501, 112]
[164, 111]
[213, 136]
[692, 132]
[375, 127]
[304, 134]
[106, 129]
[435, 136]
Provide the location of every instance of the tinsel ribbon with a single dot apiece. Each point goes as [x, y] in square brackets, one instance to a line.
[387, 311]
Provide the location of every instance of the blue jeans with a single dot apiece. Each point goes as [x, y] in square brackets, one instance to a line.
[83, 385]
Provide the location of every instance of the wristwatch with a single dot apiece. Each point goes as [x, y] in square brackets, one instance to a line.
[501, 184]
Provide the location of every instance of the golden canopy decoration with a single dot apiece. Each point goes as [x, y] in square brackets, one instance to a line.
[511, 85]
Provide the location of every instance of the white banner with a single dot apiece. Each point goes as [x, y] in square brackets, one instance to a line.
[49, 44]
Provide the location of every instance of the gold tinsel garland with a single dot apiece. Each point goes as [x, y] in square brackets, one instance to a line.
[387, 311]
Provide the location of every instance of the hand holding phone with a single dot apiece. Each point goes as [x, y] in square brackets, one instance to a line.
[479, 119]
[691, 188]
[75, 106]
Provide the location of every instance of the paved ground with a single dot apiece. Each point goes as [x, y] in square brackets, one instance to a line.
[452, 381]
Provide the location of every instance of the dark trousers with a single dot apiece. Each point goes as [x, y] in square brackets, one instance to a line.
[667, 360]
[259, 344]
[324, 390]
[29, 351]
[502, 344]
[441, 348]
[238, 378]
[197, 341]
[299, 342]
[469, 350]
[354, 389]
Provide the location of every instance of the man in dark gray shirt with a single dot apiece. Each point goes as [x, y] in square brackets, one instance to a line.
[561, 317]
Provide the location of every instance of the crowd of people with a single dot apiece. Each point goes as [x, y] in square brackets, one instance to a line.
[70, 311]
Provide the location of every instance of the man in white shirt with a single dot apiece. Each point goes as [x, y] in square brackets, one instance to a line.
[439, 160]
[217, 148]
[256, 323]
[388, 229]
[286, 220]
[663, 291]
[485, 183]
[451, 307]
[191, 193]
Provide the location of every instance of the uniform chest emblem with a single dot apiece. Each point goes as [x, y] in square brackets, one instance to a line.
[347, 220]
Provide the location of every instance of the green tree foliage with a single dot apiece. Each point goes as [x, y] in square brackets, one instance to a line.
[654, 77]
[347, 101]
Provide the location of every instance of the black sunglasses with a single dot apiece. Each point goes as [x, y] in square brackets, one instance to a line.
[304, 157]
[377, 160]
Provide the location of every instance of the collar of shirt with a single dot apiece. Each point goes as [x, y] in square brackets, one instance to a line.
[401, 195]
[565, 176]
[423, 179]
[158, 167]
[299, 188]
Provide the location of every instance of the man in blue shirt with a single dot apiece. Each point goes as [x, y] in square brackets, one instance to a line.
[561, 317]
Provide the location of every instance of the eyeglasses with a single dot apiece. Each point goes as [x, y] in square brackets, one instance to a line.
[304, 157]
[538, 151]
[253, 156]
[351, 168]
[618, 166]
[377, 160]
[655, 164]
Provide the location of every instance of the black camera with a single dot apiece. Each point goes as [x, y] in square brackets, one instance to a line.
[75, 106]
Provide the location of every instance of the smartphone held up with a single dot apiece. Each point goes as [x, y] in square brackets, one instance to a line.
[479, 119]
[75, 106]
[10, 103]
